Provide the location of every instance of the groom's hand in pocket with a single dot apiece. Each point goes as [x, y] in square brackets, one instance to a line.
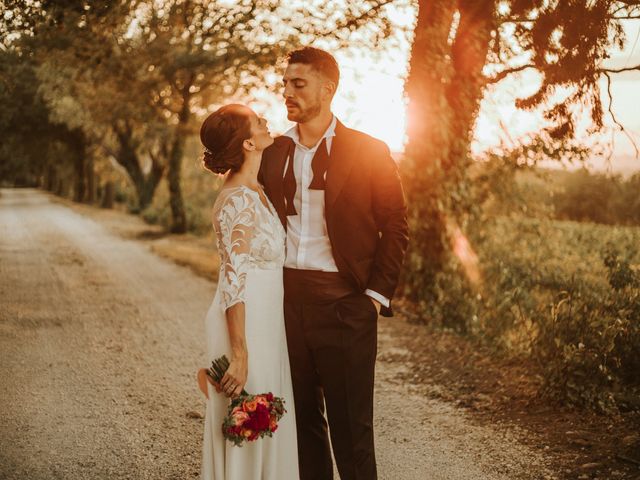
[376, 304]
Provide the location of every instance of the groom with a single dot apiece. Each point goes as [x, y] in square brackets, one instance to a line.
[338, 195]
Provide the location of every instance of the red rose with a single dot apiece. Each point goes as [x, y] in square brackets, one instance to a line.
[260, 419]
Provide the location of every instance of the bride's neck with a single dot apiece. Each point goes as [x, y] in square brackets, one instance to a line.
[248, 173]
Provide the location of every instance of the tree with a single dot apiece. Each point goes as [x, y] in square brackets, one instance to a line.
[37, 33]
[23, 122]
[128, 75]
[35, 150]
[195, 53]
[131, 75]
[456, 43]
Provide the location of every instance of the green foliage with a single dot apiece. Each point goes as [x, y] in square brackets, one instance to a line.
[32, 145]
[458, 50]
[568, 54]
[157, 215]
[589, 344]
[585, 196]
[200, 191]
[160, 214]
[533, 285]
[537, 286]
[579, 195]
[559, 292]
[133, 79]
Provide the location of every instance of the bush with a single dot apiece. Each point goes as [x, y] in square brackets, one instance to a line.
[157, 215]
[581, 195]
[588, 197]
[548, 291]
[588, 345]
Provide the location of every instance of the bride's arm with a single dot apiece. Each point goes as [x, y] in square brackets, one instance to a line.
[236, 224]
[236, 377]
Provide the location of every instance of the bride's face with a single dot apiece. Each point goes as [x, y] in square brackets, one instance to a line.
[260, 134]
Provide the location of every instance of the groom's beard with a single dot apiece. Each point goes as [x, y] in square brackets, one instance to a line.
[302, 116]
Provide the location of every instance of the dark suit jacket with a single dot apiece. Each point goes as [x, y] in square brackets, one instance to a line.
[365, 209]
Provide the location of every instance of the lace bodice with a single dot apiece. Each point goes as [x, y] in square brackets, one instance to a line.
[249, 235]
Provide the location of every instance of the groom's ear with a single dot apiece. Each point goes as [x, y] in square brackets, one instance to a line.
[329, 87]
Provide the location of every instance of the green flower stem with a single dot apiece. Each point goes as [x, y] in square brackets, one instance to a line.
[218, 368]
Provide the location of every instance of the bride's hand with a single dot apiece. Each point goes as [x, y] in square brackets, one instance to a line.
[203, 378]
[236, 377]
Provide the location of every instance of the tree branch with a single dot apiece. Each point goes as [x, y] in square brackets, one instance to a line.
[515, 20]
[505, 73]
[619, 70]
[355, 21]
[615, 120]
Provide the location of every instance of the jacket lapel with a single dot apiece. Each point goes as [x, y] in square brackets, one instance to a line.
[341, 161]
[275, 158]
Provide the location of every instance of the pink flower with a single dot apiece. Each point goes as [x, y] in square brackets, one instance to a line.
[239, 417]
[250, 405]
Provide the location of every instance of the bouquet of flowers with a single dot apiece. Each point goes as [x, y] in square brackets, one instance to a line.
[249, 416]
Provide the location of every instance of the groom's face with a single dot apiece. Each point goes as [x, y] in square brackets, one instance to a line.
[303, 88]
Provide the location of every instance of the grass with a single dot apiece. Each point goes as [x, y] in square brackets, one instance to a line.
[553, 252]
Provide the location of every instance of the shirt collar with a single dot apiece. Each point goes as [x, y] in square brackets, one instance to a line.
[328, 134]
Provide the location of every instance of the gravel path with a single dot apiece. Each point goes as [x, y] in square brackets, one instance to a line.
[99, 343]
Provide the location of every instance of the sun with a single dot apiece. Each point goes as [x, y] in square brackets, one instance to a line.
[375, 105]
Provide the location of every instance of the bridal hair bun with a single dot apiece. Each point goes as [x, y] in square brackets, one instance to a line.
[222, 134]
[210, 162]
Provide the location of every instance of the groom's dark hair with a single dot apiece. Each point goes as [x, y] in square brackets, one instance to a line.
[319, 60]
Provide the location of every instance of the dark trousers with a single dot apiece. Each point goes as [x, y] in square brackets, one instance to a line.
[332, 340]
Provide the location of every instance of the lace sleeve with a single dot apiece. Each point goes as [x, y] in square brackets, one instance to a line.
[237, 219]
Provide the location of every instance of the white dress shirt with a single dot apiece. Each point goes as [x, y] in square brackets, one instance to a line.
[308, 245]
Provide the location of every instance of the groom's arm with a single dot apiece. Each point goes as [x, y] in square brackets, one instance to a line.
[390, 214]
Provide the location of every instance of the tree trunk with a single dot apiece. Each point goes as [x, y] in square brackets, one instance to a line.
[108, 194]
[80, 165]
[77, 145]
[147, 188]
[179, 217]
[51, 178]
[127, 156]
[465, 92]
[91, 182]
[445, 87]
[61, 188]
[428, 119]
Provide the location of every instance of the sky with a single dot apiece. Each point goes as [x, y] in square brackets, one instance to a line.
[371, 98]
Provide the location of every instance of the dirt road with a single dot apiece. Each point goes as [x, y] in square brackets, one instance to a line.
[99, 343]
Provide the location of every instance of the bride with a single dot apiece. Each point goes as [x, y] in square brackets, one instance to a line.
[246, 318]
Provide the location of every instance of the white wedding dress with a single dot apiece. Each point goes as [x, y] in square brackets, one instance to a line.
[251, 244]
